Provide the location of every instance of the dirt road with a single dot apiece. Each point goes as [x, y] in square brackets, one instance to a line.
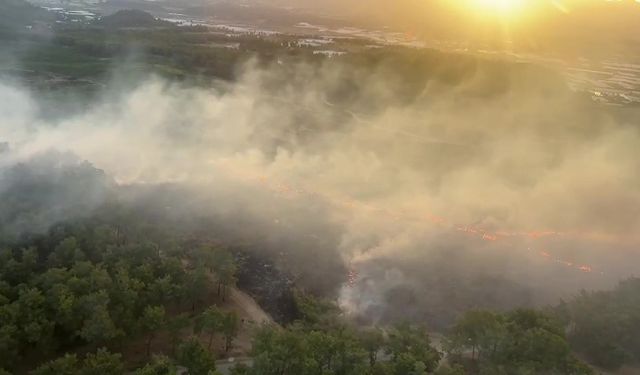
[249, 306]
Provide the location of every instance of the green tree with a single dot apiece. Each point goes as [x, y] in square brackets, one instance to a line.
[519, 342]
[381, 368]
[9, 341]
[283, 352]
[67, 365]
[175, 326]
[195, 358]
[229, 326]
[240, 369]
[407, 364]
[61, 301]
[163, 290]
[481, 331]
[66, 253]
[32, 318]
[316, 312]
[196, 286]
[97, 327]
[153, 319]
[373, 341]
[323, 349]
[451, 370]
[408, 343]
[207, 256]
[125, 297]
[351, 358]
[159, 365]
[225, 268]
[102, 363]
[211, 322]
[603, 325]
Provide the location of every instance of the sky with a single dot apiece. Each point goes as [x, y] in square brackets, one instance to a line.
[539, 25]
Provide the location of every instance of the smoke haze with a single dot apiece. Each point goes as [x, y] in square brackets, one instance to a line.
[513, 182]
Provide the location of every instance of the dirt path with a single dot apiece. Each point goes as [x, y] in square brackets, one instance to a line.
[249, 306]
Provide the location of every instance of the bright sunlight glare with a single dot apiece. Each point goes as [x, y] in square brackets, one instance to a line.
[503, 8]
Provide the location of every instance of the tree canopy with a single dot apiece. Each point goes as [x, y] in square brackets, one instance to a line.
[518, 342]
[605, 325]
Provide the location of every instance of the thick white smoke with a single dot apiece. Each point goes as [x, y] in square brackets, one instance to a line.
[527, 182]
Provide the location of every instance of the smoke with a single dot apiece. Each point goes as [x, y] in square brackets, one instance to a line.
[477, 185]
[50, 188]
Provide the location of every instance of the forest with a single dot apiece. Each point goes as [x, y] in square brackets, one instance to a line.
[79, 296]
[245, 274]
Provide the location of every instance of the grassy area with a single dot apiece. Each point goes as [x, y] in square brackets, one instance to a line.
[47, 58]
[65, 61]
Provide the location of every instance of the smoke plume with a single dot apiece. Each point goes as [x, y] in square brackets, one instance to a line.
[496, 186]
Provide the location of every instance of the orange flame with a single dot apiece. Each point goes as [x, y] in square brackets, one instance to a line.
[288, 191]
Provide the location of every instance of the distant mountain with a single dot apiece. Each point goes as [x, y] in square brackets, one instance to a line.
[131, 18]
[256, 12]
[113, 6]
[19, 13]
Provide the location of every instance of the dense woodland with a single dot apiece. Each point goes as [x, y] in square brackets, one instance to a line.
[84, 275]
[86, 285]
[107, 275]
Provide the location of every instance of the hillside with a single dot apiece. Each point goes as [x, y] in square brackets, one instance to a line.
[19, 13]
[131, 18]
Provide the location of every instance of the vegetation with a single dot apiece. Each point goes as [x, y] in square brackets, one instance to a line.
[111, 277]
[82, 285]
[604, 326]
[100, 363]
[195, 358]
[82, 276]
[92, 288]
[131, 18]
[482, 342]
[100, 281]
[19, 13]
[518, 342]
[302, 349]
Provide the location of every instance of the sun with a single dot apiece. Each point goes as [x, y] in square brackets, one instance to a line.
[501, 8]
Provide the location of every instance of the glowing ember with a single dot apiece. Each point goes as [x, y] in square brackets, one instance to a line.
[286, 190]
